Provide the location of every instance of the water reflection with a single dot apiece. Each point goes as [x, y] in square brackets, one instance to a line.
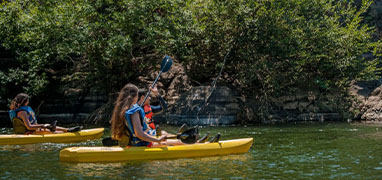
[47, 146]
[374, 135]
[176, 168]
[105, 170]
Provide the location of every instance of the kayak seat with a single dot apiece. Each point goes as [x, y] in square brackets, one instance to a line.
[215, 139]
[75, 129]
[124, 140]
[18, 126]
[204, 138]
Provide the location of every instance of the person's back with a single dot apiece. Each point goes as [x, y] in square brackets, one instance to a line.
[136, 109]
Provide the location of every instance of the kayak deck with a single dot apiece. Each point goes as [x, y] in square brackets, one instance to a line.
[67, 137]
[115, 154]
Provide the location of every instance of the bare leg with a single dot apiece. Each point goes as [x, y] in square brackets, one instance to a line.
[166, 133]
[173, 142]
[58, 128]
[168, 142]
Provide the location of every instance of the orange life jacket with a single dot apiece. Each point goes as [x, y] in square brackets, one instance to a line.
[149, 114]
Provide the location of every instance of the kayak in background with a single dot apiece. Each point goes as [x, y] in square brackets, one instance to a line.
[115, 154]
[67, 137]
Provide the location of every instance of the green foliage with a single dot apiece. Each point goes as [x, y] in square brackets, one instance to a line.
[276, 45]
[273, 45]
[98, 44]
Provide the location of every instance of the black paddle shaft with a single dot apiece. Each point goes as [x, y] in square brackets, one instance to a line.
[165, 66]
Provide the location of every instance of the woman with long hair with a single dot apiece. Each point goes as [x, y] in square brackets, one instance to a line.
[128, 117]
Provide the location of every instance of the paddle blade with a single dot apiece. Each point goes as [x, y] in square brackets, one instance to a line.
[109, 142]
[189, 136]
[166, 64]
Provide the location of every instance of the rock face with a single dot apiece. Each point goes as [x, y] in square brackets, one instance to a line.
[299, 106]
[200, 106]
[368, 102]
[171, 84]
[365, 104]
[70, 109]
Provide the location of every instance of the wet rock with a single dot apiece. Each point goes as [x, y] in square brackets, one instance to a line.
[200, 106]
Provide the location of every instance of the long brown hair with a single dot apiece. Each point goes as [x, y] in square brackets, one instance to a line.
[19, 100]
[123, 103]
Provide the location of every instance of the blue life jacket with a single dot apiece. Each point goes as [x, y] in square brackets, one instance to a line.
[28, 110]
[135, 140]
[12, 114]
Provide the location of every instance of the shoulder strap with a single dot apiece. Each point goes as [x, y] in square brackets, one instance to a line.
[22, 108]
[13, 113]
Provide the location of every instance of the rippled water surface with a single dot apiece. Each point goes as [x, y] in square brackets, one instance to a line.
[309, 151]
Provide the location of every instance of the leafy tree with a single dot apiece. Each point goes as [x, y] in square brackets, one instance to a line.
[276, 45]
[98, 44]
[271, 46]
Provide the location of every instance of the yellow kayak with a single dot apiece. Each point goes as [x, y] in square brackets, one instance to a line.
[67, 137]
[114, 154]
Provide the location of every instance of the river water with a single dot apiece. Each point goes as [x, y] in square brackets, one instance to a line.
[294, 151]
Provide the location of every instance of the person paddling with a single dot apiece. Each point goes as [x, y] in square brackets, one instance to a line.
[24, 118]
[127, 122]
[152, 110]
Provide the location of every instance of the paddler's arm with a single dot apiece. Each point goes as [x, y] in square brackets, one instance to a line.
[139, 130]
[32, 127]
[163, 105]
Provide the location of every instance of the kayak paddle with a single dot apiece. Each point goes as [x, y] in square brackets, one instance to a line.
[189, 136]
[165, 66]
